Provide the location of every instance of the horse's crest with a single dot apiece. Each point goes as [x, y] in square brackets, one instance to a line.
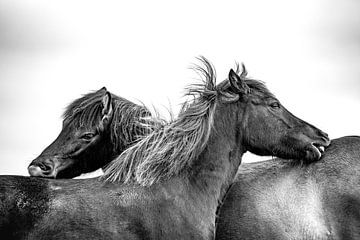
[170, 149]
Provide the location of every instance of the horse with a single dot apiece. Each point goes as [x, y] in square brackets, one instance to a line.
[231, 220]
[232, 224]
[281, 199]
[251, 178]
[96, 128]
[168, 184]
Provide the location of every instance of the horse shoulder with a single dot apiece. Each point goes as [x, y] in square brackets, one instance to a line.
[294, 204]
[279, 205]
[23, 201]
[83, 209]
[338, 173]
[161, 211]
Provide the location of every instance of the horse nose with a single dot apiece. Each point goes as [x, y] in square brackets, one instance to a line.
[34, 171]
[41, 170]
[324, 136]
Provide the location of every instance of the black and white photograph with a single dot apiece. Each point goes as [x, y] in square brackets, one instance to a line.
[180, 120]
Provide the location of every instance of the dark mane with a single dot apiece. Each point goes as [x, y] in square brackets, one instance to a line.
[128, 123]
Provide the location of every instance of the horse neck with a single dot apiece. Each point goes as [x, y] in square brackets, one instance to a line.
[110, 151]
[115, 147]
[215, 169]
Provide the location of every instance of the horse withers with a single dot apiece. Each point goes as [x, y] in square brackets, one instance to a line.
[239, 216]
[96, 128]
[168, 184]
[91, 136]
[281, 199]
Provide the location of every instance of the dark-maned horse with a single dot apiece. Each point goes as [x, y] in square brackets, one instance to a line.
[168, 185]
[280, 199]
[96, 128]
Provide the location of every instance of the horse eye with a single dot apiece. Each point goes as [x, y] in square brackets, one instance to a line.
[275, 105]
[87, 136]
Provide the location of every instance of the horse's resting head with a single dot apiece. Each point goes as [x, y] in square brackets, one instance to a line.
[268, 128]
[79, 148]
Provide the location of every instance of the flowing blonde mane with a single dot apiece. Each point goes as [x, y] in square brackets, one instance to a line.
[173, 147]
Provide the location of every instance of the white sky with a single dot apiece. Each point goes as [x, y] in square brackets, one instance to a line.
[51, 52]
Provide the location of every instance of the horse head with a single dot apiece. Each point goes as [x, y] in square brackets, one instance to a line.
[80, 145]
[268, 128]
[96, 128]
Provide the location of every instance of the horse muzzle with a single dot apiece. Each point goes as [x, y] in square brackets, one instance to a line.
[42, 170]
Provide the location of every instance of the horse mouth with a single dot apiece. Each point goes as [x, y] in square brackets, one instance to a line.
[318, 148]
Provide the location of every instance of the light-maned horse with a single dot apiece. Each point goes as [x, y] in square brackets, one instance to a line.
[239, 217]
[96, 128]
[168, 185]
[280, 199]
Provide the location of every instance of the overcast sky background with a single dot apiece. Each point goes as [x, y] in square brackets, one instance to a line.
[51, 52]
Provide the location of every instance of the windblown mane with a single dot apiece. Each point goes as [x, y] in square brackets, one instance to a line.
[128, 122]
[172, 148]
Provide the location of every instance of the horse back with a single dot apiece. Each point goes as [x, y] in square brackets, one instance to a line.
[278, 199]
[92, 209]
[23, 201]
[37, 208]
[339, 181]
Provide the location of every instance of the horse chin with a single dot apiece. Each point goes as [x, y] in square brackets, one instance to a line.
[67, 173]
[67, 169]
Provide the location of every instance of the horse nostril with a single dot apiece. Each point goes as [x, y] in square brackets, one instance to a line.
[45, 168]
[40, 169]
[324, 136]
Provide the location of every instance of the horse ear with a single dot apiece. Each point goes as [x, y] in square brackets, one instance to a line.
[107, 110]
[237, 82]
[106, 101]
